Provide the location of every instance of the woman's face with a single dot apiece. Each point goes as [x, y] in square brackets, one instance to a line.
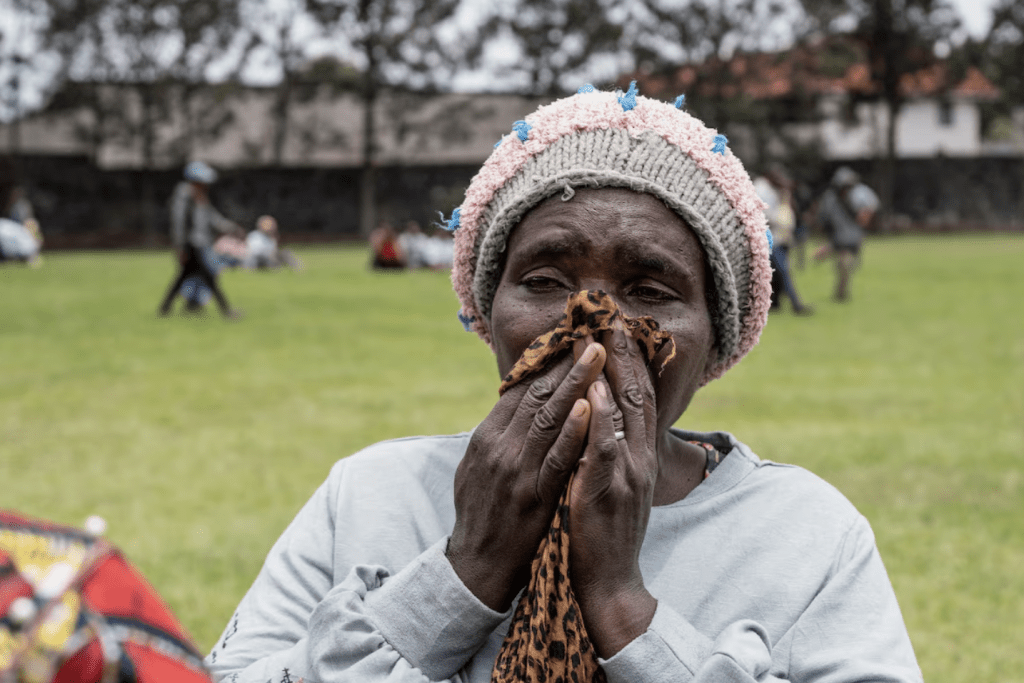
[631, 246]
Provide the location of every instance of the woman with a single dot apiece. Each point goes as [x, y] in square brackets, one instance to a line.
[690, 558]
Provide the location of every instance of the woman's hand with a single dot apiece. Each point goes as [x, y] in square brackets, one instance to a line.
[611, 500]
[514, 471]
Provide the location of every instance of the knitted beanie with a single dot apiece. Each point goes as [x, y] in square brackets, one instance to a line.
[612, 139]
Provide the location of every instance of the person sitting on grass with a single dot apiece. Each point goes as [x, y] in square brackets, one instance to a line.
[21, 239]
[386, 252]
[613, 254]
[20, 242]
[262, 250]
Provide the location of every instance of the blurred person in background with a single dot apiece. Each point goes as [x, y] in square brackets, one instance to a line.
[844, 212]
[21, 238]
[611, 287]
[803, 200]
[426, 251]
[415, 244]
[262, 249]
[775, 189]
[193, 222]
[440, 251]
[386, 251]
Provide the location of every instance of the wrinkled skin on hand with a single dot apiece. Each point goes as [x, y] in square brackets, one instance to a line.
[514, 471]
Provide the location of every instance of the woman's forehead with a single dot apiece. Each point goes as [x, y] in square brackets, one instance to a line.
[638, 225]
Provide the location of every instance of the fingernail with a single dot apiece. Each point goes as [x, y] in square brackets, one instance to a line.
[579, 408]
[600, 390]
[589, 355]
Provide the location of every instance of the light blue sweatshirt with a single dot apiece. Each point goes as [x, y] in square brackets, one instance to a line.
[763, 572]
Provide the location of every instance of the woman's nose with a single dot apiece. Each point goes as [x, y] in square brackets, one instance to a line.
[611, 289]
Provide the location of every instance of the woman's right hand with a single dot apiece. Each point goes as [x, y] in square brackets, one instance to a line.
[516, 466]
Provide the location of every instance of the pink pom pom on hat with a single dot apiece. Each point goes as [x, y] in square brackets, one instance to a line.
[613, 139]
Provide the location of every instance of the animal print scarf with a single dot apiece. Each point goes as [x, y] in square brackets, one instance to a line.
[547, 640]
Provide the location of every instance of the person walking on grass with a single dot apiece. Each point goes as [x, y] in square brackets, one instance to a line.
[193, 220]
[844, 212]
[775, 190]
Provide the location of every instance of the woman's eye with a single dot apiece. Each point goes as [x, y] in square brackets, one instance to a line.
[650, 293]
[540, 282]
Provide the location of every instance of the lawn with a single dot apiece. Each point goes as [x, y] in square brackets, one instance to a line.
[199, 439]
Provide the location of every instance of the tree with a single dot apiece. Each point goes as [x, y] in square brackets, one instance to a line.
[126, 62]
[899, 37]
[18, 45]
[725, 56]
[394, 43]
[276, 35]
[550, 47]
[694, 45]
[1004, 49]
[1004, 59]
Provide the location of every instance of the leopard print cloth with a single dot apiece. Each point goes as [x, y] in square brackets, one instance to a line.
[547, 641]
[587, 312]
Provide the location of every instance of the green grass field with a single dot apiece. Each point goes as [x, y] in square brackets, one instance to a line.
[199, 439]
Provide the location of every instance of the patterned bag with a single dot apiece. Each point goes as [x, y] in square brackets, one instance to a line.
[73, 610]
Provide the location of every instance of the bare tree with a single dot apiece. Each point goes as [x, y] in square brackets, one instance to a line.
[550, 47]
[276, 35]
[395, 43]
[124, 60]
[209, 37]
[18, 49]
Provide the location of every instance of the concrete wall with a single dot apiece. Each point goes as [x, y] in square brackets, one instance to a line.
[324, 130]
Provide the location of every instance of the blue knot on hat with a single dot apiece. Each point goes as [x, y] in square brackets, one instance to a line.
[680, 101]
[720, 142]
[628, 100]
[453, 223]
[466, 320]
[522, 129]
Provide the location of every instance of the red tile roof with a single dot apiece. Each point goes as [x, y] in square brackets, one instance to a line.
[805, 71]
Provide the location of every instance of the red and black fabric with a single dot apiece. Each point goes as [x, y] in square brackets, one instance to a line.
[92, 617]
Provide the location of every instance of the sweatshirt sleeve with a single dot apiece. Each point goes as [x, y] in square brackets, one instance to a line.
[851, 631]
[417, 624]
[219, 223]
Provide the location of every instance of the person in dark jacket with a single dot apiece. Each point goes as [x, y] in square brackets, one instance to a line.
[193, 222]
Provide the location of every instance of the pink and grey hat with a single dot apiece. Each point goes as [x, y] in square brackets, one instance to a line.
[612, 139]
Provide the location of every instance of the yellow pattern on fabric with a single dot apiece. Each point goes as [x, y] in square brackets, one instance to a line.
[60, 622]
[34, 554]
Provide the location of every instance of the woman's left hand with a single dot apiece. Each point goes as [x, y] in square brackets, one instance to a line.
[611, 500]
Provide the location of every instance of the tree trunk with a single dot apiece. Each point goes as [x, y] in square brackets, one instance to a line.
[281, 107]
[95, 147]
[368, 176]
[887, 179]
[148, 145]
